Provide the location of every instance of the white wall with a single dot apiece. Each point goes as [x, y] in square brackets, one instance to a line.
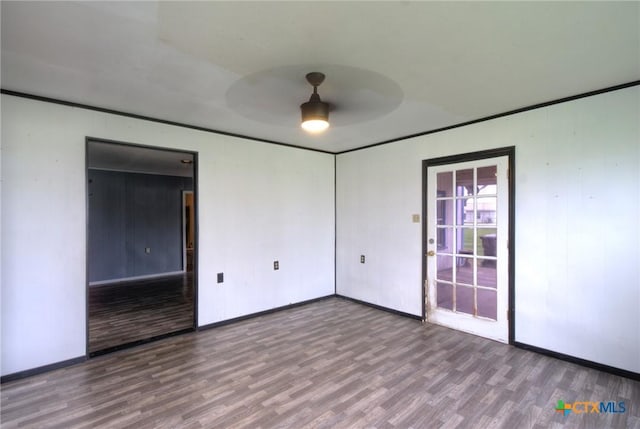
[577, 223]
[577, 232]
[258, 202]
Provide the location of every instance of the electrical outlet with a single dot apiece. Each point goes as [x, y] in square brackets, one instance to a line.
[415, 218]
[220, 277]
[147, 250]
[362, 259]
[276, 265]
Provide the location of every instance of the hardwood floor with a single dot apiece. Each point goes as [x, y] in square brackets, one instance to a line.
[124, 313]
[329, 364]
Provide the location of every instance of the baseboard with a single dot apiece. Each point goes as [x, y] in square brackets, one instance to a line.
[379, 307]
[41, 369]
[139, 342]
[136, 278]
[262, 313]
[579, 361]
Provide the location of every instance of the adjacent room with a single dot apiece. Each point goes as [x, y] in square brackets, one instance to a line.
[320, 214]
[141, 244]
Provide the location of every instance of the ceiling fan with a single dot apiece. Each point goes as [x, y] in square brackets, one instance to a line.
[315, 112]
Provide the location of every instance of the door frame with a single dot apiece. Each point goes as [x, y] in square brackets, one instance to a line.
[194, 166]
[184, 227]
[510, 152]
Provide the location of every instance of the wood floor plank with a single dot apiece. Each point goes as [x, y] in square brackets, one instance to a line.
[333, 363]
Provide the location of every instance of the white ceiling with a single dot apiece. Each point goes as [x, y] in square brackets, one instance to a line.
[393, 68]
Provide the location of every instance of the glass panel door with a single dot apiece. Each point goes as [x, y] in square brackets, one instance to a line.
[467, 223]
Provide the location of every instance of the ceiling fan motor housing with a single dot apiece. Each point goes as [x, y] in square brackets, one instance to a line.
[314, 109]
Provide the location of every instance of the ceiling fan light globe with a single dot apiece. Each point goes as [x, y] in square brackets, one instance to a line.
[315, 116]
[315, 125]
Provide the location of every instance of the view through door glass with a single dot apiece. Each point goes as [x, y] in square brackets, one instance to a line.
[467, 271]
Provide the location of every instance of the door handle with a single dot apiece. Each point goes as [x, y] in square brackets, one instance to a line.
[431, 253]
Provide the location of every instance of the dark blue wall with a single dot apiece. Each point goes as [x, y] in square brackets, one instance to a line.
[129, 212]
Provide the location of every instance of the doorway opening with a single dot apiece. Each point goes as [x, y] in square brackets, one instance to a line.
[468, 237]
[141, 244]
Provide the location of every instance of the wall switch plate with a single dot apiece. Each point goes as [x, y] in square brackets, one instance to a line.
[220, 277]
[276, 265]
[415, 218]
[147, 250]
[362, 259]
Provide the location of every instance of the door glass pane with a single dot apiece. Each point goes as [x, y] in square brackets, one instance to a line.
[464, 182]
[487, 274]
[445, 184]
[487, 303]
[464, 241]
[445, 268]
[487, 178]
[486, 245]
[464, 299]
[444, 212]
[444, 240]
[464, 211]
[486, 210]
[464, 270]
[444, 296]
